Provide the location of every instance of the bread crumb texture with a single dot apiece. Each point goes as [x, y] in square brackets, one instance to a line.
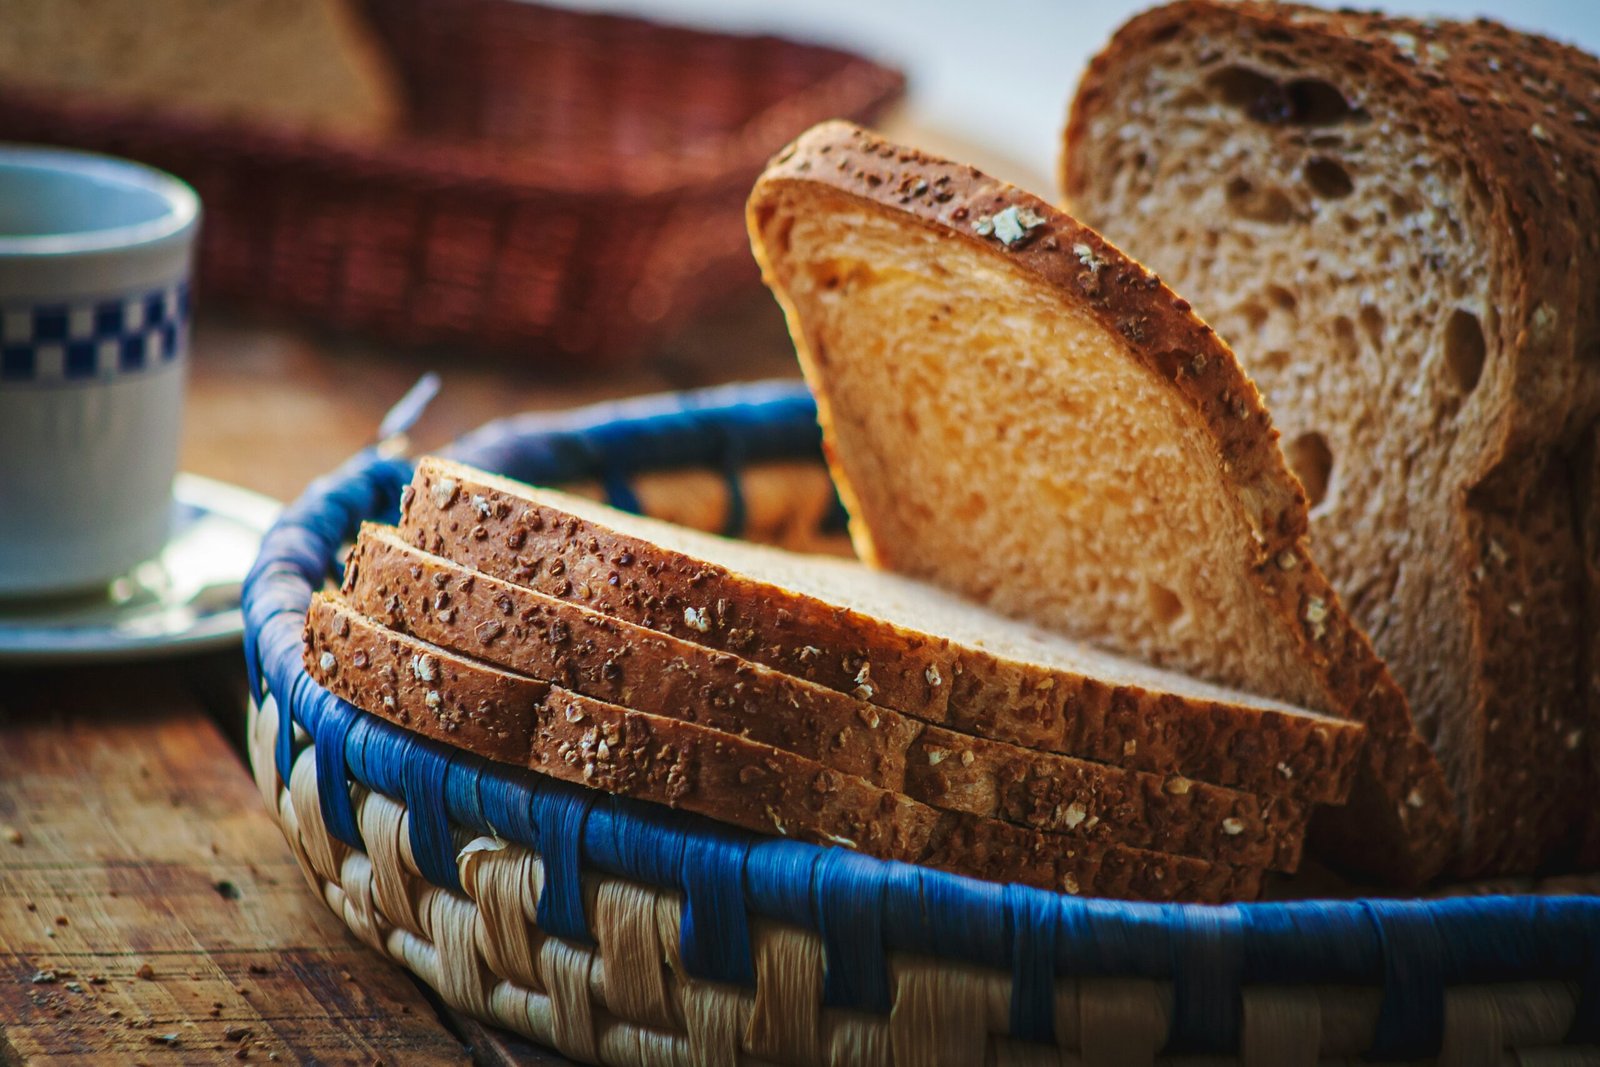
[1394, 223]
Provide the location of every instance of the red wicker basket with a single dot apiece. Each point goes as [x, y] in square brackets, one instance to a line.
[566, 183]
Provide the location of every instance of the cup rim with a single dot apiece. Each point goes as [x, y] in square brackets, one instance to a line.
[183, 205]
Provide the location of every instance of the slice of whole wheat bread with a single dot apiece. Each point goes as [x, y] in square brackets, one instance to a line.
[1017, 411]
[524, 631]
[1395, 224]
[877, 636]
[597, 744]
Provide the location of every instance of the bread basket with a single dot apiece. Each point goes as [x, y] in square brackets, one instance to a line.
[623, 933]
[566, 183]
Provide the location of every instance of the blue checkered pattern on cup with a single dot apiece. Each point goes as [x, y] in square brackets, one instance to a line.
[93, 340]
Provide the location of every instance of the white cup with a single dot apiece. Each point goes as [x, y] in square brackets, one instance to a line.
[94, 300]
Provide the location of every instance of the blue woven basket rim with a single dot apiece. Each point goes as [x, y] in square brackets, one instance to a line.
[862, 908]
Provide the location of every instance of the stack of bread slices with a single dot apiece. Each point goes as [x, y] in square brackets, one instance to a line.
[1017, 416]
[1082, 545]
[812, 697]
[1018, 412]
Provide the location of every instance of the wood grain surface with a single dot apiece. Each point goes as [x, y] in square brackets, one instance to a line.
[150, 911]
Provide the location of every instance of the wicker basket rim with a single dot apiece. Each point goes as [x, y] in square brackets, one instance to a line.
[421, 158]
[1415, 946]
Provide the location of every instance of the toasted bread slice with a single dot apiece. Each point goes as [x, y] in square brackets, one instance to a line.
[1018, 412]
[524, 631]
[879, 637]
[725, 777]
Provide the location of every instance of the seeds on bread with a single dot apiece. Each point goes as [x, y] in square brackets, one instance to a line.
[990, 372]
[849, 628]
[597, 744]
[524, 631]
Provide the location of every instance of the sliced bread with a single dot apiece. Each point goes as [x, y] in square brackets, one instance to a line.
[877, 636]
[1016, 411]
[524, 631]
[600, 745]
[1394, 223]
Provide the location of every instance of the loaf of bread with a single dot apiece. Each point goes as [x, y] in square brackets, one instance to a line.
[881, 638]
[1394, 223]
[528, 633]
[1016, 411]
[597, 744]
[301, 64]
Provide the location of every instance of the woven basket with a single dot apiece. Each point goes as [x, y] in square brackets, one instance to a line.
[624, 933]
[566, 182]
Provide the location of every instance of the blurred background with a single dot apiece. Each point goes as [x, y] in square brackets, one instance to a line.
[544, 204]
[541, 205]
[997, 75]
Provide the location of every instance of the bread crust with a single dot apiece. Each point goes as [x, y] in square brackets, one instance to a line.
[600, 745]
[527, 540]
[1586, 489]
[1517, 113]
[521, 630]
[1406, 839]
[421, 689]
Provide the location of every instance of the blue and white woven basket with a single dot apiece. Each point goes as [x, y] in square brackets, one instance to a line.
[620, 932]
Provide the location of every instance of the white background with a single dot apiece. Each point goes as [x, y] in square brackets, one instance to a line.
[993, 77]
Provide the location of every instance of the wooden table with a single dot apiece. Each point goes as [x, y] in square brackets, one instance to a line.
[150, 911]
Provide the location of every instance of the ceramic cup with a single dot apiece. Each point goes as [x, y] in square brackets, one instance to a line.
[94, 301]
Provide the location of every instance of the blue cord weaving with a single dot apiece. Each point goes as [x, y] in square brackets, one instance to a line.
[862, 909]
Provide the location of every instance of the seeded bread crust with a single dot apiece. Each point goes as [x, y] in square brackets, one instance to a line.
[599, 745]
[1517, 114]
[484, 711]
[1530, 761]
[520, 630]
[527, 537]
[1408, 837]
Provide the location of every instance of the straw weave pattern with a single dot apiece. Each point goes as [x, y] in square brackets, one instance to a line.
[624, 933]
[565, 184]
[628, 1000]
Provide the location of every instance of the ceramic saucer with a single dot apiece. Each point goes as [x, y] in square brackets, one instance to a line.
[184, 600]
